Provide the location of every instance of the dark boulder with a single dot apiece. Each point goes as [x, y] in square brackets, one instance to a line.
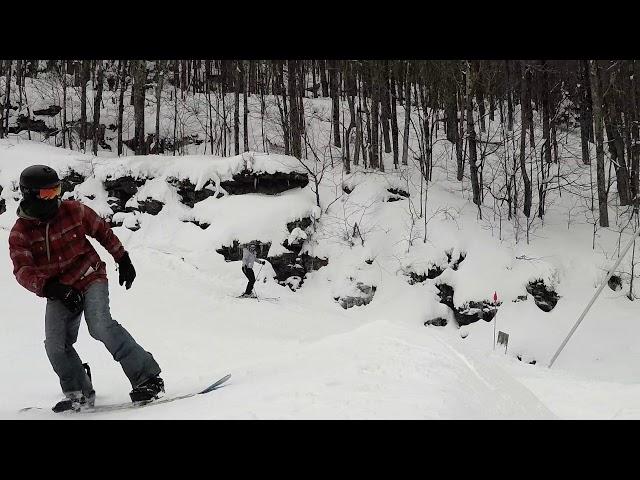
[615, 283]
[291, 264]
[396, 194]
[301, 223]
[150, 206]
[265, 183]
[121, 190]
[3, 207]
[437, 322]
[469, 312]
[294, 247]
[133, 228]
[434, 272]
[202, 225]
[532, 362]
[189, 195]
[458, 261]
[313, 263]
[545, 298]
[70, 180]
[348, 301]
[50, 111]
[25, 123]
[399, 192]
[287, 265]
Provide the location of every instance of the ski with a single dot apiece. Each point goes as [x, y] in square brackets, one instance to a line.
[259, 299]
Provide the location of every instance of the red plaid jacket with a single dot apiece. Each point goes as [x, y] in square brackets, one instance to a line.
[41, 251]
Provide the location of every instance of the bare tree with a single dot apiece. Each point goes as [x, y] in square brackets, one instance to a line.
[471, 138]
[160, 69]
[525, 105]
[335, 105]
[83, 103]
[599, 135]
[122, 73]
[97, 101]
[139, 80]
[294, 114]
[407, 115]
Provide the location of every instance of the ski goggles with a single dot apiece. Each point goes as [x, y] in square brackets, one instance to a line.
[49, 193]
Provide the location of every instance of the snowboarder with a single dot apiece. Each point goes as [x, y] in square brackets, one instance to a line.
[53, 258]
[248, 257]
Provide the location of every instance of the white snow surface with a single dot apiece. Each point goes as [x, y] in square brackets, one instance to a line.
[303, 356]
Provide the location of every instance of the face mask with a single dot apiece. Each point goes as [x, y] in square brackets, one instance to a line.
[41, 209]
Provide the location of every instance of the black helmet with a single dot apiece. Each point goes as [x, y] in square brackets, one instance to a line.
[33, 178]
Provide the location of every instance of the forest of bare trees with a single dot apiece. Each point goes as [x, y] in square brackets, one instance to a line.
[459, 99]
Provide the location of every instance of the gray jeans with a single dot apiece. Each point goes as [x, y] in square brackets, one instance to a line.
[61, 332]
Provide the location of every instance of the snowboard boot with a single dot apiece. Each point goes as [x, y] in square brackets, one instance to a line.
[75, 401]
[148, 390]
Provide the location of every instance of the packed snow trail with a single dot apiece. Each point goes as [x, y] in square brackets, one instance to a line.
[287, 361]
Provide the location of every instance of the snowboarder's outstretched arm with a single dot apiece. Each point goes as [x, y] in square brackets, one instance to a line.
[98, 228]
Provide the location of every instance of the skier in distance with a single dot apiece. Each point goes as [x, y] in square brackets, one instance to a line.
[248, 257]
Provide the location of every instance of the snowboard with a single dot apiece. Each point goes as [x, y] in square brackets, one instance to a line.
[129, 405]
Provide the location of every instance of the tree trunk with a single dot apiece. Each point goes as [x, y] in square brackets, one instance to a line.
[96, 107]
[383, 80]
[122, 73]
[294, 115]
[479, 89]
[635, 134]
[359, 135]
[375, 98]
[245, 107]
[160, 67]
[7, 98]
[322, 64]
[471, 136]
[236, 108]
[335, 104]
[394, 118]
[139, 80]
[599, 136]
[615, 142]
[64, 105]
[83, 104]
[509, 98]
[407, 116]
[524, 100]
[585, 117]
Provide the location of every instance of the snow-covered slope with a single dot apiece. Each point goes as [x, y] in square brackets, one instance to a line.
[304, 356]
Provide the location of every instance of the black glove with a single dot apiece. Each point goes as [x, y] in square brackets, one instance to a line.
[69, 296]
[127, 272]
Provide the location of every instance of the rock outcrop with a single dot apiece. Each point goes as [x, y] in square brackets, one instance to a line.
[364, 296]
[545, 298]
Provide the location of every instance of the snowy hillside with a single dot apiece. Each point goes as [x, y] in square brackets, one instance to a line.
[304, 355]
[382, 295]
